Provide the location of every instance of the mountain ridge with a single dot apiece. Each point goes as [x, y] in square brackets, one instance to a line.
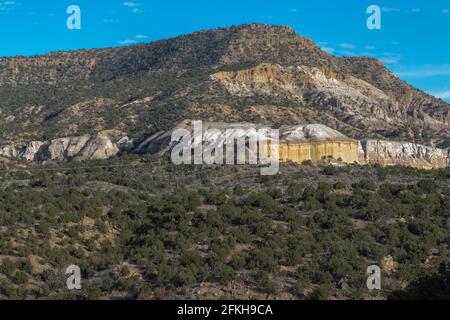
[146, 88]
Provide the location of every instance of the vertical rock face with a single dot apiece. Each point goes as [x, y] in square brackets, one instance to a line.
[262, 73]
[101, 147]
[402, 153]
[296, 143]
[8, 152]
[347, 151]
[30, 150]
[78, 148]
[64, 148]
[314, 142]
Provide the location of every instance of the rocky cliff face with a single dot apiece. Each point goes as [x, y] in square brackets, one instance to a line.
[388, 153]
[315, 142]
[296, 143]
[352, 100]
[344, 151]
[26, 151]
[58, 150]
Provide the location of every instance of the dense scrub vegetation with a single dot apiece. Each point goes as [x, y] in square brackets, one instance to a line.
[142, 228]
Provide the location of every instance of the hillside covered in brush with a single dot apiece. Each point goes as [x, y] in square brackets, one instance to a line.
[256, 73]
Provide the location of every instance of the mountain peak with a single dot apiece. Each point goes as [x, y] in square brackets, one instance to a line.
[217, 48]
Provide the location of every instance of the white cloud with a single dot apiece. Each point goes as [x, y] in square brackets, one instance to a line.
[328, 50]
[385, 9]
[111, 20]
[135, 40]
[131, 4]
[347, 46]
[390, 58]
[444, 94]
[370, 48]
[293, 10]
[127, 42]
[7, 6]
[348, 53]
[390, 9]
[134, 6]
[425, 72]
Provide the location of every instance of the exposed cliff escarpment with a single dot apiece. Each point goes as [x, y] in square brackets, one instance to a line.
[296, 143]
[389, 153]
[344, 151]
[315, 142]
[79, 148]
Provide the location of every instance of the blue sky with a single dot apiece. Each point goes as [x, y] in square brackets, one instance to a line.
[414, 40]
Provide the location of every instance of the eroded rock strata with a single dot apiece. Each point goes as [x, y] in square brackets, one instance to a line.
[388, 153]
[296, 143]
[63, 149]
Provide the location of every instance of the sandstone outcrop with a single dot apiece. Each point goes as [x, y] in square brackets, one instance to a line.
[262, 73]
[296, 143]
[315, 142]
[8, 152]
[58, 150]
[388, 153]
[320, 87]
[356, 101]
[345, 151]
[30, 150]
[388, 264]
